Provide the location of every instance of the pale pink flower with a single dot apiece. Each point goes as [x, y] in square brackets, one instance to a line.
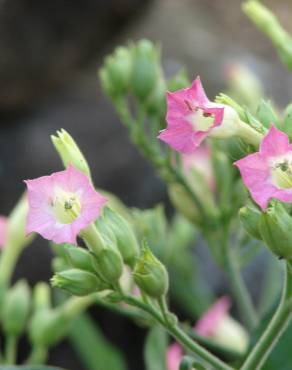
[61, 205]
[268, 173]
[174, 356]
[3, 231]
[200, 161]
[190, 118]
[208, 323]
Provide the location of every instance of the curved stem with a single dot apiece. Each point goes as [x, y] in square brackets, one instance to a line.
[180, 335]
[240, 291]
[275, 329]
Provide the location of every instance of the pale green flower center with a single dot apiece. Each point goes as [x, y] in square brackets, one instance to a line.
[200, 120]
[66, 206]
[282, 173]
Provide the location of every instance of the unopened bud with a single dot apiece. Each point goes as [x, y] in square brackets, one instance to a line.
[250, 217]
[41, 296]
[69, 151]
[150, 274]
[266, 114]
[118, 67]
[77, 282]
[80, 258]
[125, 237]
[275, 228]
[183, 203]
[15, 308]
[179, 81]
[145, 68]
[109, 264]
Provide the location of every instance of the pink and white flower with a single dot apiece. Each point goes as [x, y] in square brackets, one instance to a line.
[268, 173]
[219, 326]
[191, 117]
[3, 231]
[61, 205]
[200, 162]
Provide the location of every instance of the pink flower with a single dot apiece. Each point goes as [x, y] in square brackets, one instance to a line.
[200, 161]
[174, 356]
[207, 325]
[191, 117]
[268, 173]
[3, 231]
[61, 205]
[219, 326]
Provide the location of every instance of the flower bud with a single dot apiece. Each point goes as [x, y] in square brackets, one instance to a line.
[15, 308]
[250, 217]
[179, 81]
[41, 296]
[80, 258]
[275, 227]
[125, 237]
[109, 264]
[183, 203]
[267, 22]
[47, 327]
[69, 151]
[115, 75]
[266, 114]
[145, 69]
[17, 237]
[77, 282]
[150, 274]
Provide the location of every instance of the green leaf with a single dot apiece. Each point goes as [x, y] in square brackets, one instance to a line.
[155, 349]
[93, 348]
[30, 367]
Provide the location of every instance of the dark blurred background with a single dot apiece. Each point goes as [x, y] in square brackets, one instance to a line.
[49, 54]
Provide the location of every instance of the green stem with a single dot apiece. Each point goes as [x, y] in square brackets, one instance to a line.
[241, 294]
[75, 305]
[180, 335]
[38, 356]
[275, 329]
[10, 349]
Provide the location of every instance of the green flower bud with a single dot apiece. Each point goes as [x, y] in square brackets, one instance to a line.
[15, 308]
[109, 264]
[179, 81]
[183, 203]
[41, 296]
[288, 120]
[125, 237]
[150, 274]
[145, 68]
[250, 217]
[77, 282]
[17, 238]
[118, 67]
[106, 83]
[69, 151]
[80, 258]
[266, 114]
[47, 327]
[156, 103]
[275, 227]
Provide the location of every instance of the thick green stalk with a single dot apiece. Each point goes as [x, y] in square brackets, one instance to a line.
[10, 349]
[180, 335]
[275, 329]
